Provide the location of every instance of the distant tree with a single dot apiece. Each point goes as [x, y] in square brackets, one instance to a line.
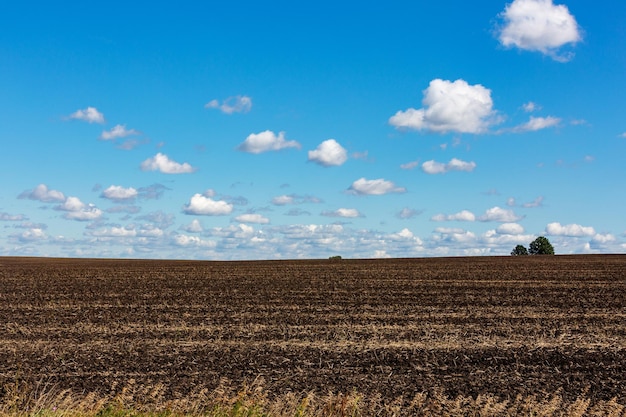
[541, 246]
[335, 258]
[519, 250]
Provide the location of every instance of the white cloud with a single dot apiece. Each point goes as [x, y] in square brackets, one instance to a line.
[194, 227]
[194, 241]
[408, 213]
[44, 194]
[537, 202]
[433, 167]
[530, 107]
[510, 229]
[410, 165]
[31, 235]
[90, 115]
[164, 164]
[329, 153]
[572, 230]
[462, 216]
[252, 218]
[77, 210]
[342, 212]
[205, 206]
[12, 217]
[623, 135]
[283, 200]
[534, 124]
[119, 193]
[379, 186]
[497, 214]
[539, 25]
[115, 232]
[450, 107]
[118, 131]
[266, 141]
[236, 104]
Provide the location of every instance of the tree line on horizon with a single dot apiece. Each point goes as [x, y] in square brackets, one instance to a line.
[539, 246]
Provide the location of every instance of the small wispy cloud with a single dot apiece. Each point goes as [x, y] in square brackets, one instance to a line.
[118, 131]
[530, 107]
[254, 218]
[236, 104]
[89, 115]
[534, 124]
[343, 212]
[379, 186]
[461, 216]
[433, 167]
[162, 163]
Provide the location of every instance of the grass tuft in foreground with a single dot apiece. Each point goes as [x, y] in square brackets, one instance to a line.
[253, 401]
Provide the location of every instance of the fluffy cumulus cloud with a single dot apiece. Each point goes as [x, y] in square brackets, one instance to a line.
[205, 206]
[77, 210]
[119, 194]
[539, 25]
[236, 104]
[118, 131]
[44, 194]
[571, 230]
[266, 141]
[461, 216]
[329, 153]
[164, 164]
[89, 115]
[433, 167]
[342, 212]
[510, 229]
[252, 218]
[379, 186]
[498, 214]
[450, 107]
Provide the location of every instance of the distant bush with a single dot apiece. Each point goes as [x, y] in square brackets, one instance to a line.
[335, 258]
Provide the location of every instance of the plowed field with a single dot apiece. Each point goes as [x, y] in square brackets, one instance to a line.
[506, 326]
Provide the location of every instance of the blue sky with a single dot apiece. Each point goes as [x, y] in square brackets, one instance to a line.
[310, 129]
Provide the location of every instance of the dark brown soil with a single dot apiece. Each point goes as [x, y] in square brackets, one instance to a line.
[506, 326]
